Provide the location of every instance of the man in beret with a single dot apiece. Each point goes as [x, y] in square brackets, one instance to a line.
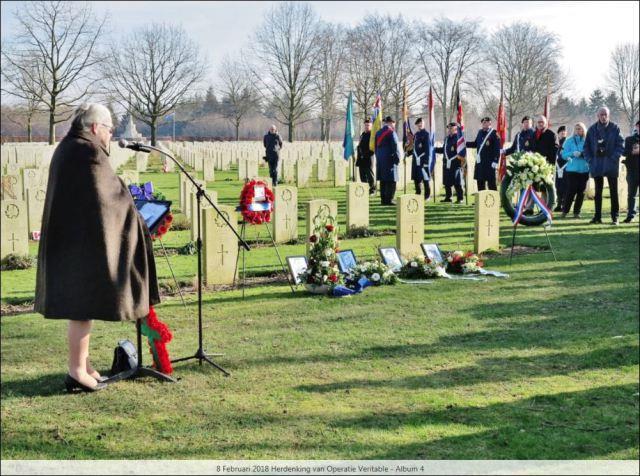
[363, 162]
[452, 164]
[420, 171]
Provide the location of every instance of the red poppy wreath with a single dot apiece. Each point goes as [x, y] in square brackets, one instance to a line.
[256, 210]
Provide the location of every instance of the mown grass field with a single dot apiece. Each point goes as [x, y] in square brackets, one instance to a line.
[543, 365]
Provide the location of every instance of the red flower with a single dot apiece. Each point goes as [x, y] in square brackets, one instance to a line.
[480, 264]
[168, 218]
[333, 278]
[329, 228]
[162, 230]
[337, 250]
[313, 239]
[469, 254]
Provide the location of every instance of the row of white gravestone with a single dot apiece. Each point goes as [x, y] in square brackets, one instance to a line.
[23, 189]
[221, 247]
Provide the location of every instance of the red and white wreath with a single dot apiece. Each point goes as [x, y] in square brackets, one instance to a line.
[256, 210]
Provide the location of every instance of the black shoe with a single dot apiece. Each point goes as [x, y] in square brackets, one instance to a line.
[595, 221]
[576, 216]
[459, 201]
[615, 222]
[372, 192]
[445, 200]
[557, 209]
[627, 220]
[72, 384]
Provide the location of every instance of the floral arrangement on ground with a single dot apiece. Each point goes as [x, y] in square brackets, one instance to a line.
[375, 271]
[459, 262]
[322, 269]
[421, 267]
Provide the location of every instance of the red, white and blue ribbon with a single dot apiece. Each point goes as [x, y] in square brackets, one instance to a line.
[522, 203]
[524, 195]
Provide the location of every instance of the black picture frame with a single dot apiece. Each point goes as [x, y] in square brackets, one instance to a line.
[433, 252]
[295, 269]
[391, 257]
[346, 261]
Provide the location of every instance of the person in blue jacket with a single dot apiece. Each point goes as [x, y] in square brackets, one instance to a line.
[524, 139]
[602, 150]
[576, 171]
[420, 172]
[388, 157]
[452, 164]
[488, 146]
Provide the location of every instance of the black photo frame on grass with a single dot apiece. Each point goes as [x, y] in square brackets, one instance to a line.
[391, 257]
[433, 252]
[346, 261]
[297, 265]
[152, 211]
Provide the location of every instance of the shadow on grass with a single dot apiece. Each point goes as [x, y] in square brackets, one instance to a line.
[42, 386]
[497, 370]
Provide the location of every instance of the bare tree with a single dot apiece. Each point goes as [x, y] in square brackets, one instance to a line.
[379, 59]
[286, 49]
[328, 79]
[239, 95]
[21, 82]
[447, 50]
[54, 51]
[525, 59]
[624, 79]
[152, 70]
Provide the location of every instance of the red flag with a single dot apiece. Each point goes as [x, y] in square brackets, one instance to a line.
[501, 129]
[461, 144]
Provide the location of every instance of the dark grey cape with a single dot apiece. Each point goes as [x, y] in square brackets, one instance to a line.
[95, 259]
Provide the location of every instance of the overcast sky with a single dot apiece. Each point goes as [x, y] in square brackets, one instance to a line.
[588, 30]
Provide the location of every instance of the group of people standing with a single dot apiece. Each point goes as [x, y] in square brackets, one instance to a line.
[594, 152]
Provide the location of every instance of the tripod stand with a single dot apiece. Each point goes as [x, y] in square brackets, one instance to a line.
[200, 354]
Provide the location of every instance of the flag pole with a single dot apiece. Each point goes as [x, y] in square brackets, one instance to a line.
[174, 126]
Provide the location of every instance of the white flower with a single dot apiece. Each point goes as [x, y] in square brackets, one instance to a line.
[324, 264]
[375, 277]
[414, 264]
[328, 252]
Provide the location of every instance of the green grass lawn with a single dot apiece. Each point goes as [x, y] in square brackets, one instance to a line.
[543, 365]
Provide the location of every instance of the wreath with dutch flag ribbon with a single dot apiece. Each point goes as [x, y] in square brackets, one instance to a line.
[256, 202]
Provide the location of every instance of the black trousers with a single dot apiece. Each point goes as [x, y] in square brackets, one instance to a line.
[632, 191]
[490, 184]
[447, 191]
[576, 185]
[427, 188]
[561, 188]
[387, 191]
[366, 176]
[273, 171]
[613, 191]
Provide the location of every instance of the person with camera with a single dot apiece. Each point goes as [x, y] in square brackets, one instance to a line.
[272, 144]
[576, 171]
[631, 156]
[602, 150]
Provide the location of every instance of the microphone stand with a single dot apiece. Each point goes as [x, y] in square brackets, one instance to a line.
[200, 354]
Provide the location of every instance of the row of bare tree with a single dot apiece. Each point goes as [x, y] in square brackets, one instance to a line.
[299, 68]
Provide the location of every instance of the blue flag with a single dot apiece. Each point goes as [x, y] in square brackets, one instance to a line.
[347, 144]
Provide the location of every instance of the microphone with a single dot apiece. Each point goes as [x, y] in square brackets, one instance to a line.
[137, 146]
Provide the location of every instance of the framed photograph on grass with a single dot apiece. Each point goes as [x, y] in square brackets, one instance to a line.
[297, 265]
[346, 261]
[432, 251]
[391, 257]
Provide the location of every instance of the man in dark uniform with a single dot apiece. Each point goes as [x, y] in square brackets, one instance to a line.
[631, 158]
[387, 159]
[273, 143]
[452, 164]
[488, 147]
[420, 173]
[363, 162]
[523, 141]
[561, 180]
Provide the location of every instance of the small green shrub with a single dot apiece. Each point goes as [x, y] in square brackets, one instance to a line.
[13, 261]
[180, 222]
